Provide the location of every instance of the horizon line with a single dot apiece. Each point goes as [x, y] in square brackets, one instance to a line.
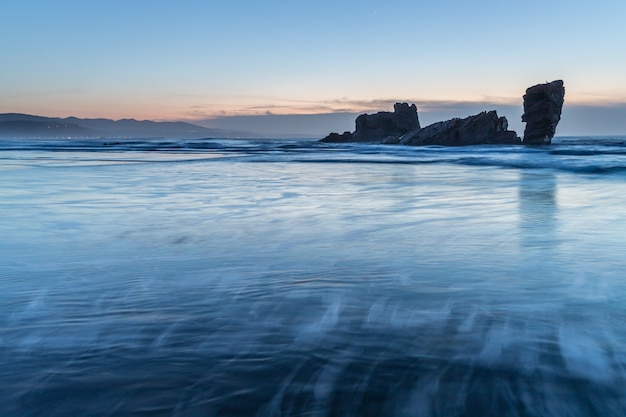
[429, 106]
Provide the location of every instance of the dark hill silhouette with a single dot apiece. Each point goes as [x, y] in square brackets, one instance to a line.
[28, 128]
[17, 125]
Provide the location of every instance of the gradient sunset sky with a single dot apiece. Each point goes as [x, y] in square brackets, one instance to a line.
[192, 59]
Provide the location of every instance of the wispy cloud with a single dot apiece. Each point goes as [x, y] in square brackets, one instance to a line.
[600, 113]
[342, 105]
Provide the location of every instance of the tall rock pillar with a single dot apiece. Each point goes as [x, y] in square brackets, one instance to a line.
[542, 111]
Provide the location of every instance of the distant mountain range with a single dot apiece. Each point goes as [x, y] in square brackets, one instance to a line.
[15, 125]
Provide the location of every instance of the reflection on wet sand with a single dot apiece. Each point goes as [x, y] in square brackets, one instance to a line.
[538, 211]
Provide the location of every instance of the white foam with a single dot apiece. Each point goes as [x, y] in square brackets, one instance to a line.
[497, 338]
[583, 355]
[328, 320]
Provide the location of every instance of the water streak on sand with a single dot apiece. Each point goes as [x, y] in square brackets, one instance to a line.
[226, 277]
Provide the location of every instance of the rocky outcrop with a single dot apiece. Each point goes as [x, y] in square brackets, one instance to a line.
[381, 126]
[337, 138]
[376, 127]
[542, 112]
[480, 129]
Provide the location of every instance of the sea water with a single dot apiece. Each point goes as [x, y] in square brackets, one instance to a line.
[295, 278]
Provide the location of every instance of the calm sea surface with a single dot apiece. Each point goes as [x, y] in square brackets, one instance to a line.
[295, 278]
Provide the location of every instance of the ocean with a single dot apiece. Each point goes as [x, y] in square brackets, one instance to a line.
[296, 278]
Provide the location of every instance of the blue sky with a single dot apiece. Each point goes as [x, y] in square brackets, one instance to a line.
[186, 59]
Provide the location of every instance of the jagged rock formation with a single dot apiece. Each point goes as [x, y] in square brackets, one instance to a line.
[376, 127]
[337, 138]
[380, 126]
[542, 112]
[482, 128]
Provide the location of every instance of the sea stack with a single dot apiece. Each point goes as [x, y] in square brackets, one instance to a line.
[481, 129]
[381, 126]
[542, 112]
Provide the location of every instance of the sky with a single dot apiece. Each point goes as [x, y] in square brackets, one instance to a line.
[219, 60]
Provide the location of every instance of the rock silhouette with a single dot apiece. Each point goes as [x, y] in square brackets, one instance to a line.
[335, 137]
[480, 129]
[379, 126]
[542, 112]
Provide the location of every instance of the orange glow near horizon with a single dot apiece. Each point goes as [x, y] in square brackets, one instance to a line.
[183, 108]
